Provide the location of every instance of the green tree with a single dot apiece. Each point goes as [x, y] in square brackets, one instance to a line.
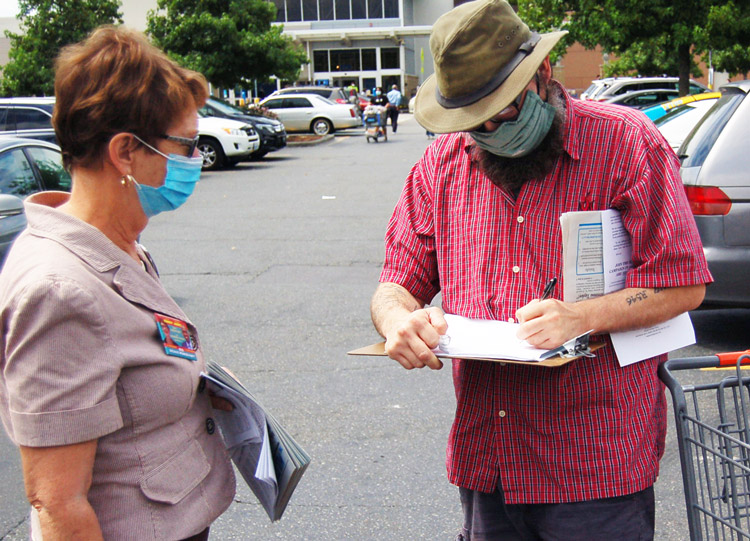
[231, 42]
[654, 37]
[46, 27]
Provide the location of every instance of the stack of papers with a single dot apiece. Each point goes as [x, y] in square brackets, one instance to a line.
[268, 458]
[486, 339]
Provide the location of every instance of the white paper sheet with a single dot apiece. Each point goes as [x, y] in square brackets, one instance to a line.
[485, 339]
[634, 346]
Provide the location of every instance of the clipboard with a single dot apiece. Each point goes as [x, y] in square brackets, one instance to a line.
[560, 358]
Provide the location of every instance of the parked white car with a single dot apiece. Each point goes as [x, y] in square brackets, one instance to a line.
[224, 142]
[313, 113]
[680, 121]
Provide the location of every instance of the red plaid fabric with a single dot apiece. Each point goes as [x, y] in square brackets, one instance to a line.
[589, 429]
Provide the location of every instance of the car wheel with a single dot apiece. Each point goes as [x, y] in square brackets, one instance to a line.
[321, 126]
[212, 154]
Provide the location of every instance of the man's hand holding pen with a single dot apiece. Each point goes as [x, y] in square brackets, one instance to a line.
[548, 323]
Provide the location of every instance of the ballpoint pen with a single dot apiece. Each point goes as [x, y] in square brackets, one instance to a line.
[549, 288]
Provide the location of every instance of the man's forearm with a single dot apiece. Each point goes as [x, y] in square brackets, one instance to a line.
[635, 308]
[390, 304]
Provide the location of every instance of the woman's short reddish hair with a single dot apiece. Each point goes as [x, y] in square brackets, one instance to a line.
[116, 81]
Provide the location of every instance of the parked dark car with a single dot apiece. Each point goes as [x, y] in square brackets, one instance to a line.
[27, 166]
[27, 117]
[715, 169]
[272, 133]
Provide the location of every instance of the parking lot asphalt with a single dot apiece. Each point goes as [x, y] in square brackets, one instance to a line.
[275, 262]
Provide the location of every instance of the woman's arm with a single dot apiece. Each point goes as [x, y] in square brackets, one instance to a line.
[57, 483]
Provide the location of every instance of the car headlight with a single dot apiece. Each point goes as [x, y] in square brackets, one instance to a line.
[234, 131]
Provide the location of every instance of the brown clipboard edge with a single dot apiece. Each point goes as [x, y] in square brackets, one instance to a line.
[378, 350]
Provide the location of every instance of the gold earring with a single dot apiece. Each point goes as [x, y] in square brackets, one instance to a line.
[126, 179]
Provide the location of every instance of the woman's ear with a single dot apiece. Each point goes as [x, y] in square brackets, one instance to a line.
[120, 152]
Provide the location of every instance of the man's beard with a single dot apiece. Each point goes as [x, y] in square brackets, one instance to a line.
[512, 173]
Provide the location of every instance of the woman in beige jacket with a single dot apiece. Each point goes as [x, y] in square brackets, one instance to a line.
[100, 384]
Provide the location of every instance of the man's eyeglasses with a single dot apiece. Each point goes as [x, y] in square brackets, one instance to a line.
[190, 144]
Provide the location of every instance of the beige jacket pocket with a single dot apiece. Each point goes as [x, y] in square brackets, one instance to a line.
[174, 479]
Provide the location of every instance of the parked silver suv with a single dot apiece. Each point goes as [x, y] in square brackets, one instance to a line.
[609, 87]
[715, 168]
[27, 117]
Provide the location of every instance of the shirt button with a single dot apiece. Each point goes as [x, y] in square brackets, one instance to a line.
[520, 219]
[210, 426]
[516, 269]
[501, 413]
[511, 320]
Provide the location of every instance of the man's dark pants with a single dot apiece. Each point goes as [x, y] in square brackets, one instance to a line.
[393, 115]
[488, 518]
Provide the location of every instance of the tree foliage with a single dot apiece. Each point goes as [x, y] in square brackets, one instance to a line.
[46, 27]
[231, 42]
[654, 37]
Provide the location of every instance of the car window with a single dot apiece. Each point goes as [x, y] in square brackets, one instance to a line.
[297, 102]
[695, 89]
[16, 174]
[224, 107]
[3, 119]
[32, 119]
[700, 141]
[274, 104]
[49, 164]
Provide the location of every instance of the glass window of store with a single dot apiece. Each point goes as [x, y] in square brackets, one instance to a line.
[375, 9]
[326, 10]
[342, 10]
[369, 60]
[390, 9]
[345, 60]
[320, 60]
[310, 10]
[389, 58]
[359, 9]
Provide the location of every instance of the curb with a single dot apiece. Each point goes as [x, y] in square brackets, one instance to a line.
[293, 141]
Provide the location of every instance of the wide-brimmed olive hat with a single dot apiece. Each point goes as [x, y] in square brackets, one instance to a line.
[485, 56]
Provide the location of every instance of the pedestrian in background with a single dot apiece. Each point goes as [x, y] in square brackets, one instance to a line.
[116, 434]
[379, 98]
[394, 102]
[565, 453]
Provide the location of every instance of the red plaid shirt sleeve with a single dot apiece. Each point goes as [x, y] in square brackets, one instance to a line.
[590, 429]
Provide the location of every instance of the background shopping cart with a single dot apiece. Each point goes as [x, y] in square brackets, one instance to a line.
[714, 444]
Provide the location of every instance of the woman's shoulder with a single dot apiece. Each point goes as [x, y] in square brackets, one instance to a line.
[36, 262]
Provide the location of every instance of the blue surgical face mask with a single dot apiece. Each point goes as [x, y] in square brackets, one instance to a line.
[182, 175]
[519, 137]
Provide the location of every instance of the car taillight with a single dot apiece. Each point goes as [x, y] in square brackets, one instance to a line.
[340, 100]
[351, 111]
[708, 200]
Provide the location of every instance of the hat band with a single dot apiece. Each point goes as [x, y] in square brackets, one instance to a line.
[524, 50]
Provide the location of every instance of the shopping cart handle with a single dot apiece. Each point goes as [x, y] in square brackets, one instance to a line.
[730, 359]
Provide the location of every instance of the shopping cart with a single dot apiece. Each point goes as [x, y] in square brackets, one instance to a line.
[714, 443]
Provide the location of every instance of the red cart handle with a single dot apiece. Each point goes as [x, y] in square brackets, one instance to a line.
[730, 359]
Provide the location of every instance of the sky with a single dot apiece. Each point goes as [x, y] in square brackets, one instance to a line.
[8, 8]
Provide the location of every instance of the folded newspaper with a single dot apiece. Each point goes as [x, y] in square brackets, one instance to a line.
[268, 458]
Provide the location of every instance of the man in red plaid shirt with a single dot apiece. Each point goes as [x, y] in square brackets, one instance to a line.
[537, 453]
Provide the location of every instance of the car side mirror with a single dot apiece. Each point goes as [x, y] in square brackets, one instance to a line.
[10, 205]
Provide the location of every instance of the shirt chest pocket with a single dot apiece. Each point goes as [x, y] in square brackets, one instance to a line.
[175, 478]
